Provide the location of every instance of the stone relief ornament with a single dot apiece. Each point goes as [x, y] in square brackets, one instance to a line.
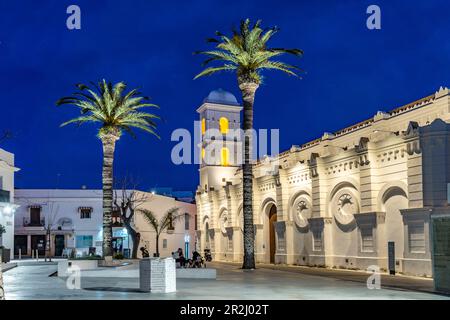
[224, 222]
[302, 212]
[345, 206]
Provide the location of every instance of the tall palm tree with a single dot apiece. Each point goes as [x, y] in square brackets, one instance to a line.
[166, 222]
[115, 111]
[246, 53]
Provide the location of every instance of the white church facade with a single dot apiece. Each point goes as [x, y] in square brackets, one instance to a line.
[362, 196]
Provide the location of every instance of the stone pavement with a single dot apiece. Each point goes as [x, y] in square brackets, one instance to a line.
[35, 282]
[388, 281]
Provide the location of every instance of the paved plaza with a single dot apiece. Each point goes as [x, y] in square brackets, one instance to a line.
[38, 281]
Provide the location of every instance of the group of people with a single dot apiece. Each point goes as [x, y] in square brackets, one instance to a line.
[196, 262]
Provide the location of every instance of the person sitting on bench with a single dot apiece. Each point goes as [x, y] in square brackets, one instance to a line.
[181, 259]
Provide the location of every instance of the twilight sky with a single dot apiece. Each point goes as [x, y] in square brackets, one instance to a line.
[351, 73]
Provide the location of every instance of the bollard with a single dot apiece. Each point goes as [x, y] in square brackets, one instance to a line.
[37, 255]
[32, 254]
[20, 254]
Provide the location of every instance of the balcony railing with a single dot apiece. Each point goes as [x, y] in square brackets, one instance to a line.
[4, 196]
[32, 223]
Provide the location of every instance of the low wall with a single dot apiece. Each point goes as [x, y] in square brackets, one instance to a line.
[196, 273]
[64, 265]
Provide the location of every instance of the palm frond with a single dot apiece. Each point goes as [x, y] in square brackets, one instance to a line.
[170, 218]
[211, 70]
[246, 52]
[151, 218]
[108, 104]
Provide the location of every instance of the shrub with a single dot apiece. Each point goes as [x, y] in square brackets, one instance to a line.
[118, 256]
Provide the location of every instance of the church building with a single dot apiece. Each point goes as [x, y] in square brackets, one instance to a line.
[366, 195]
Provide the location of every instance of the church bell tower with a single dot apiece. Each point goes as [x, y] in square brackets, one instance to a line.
[220, 148]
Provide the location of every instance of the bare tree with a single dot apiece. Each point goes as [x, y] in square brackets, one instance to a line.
[127, 201]
[51, 220]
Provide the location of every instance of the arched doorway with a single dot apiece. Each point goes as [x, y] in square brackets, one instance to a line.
[272, 220]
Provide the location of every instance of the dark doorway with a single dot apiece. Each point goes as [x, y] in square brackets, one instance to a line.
[38, 243]
[441, 253]
[35, 216]
[20, 242]
[272, 220]
[59, 245]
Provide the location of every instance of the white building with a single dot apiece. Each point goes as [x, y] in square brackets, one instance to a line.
[7, 206]
[344, 200]
[76, 217]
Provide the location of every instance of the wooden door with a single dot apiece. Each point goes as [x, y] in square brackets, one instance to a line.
[272, 244]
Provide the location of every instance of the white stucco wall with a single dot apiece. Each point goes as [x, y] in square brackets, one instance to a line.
[392, 168]
[58, 204]
[7, 207]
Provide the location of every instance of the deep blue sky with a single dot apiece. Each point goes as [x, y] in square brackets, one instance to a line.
[352, 73]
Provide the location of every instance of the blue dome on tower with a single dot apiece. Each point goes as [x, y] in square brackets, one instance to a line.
[221, 96]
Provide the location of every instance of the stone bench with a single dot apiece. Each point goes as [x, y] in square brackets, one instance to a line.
[196, 273]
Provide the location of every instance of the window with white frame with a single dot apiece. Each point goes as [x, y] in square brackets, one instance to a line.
[416, 237]
[317, 240]
[366, 238]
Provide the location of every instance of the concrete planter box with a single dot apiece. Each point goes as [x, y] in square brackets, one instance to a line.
[157, 275]
[196, 273]
[64, 265]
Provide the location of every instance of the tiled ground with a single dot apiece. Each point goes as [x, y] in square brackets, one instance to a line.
[33, 282]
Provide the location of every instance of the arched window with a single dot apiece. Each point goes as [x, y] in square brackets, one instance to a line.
[225, 154]
[223, 125]
[203, 126]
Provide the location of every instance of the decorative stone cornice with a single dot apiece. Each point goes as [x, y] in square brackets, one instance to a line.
[381, 115]
[362, 145]
[320, 220]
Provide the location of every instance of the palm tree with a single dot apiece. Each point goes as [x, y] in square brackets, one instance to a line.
[166, 222]
[246, 53]
[116, 112]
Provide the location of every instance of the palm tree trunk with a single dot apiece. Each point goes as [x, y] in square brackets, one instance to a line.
[157, 244]
[248, 95]
[109, 144]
